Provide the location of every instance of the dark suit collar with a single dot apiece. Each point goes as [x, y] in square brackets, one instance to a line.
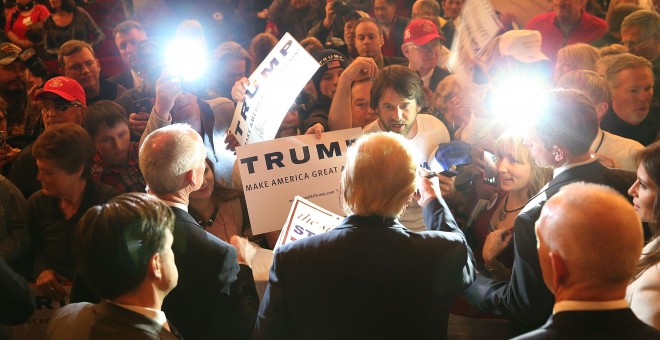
[131, 319]
[370, 221]
[601, 319]
[570, 175]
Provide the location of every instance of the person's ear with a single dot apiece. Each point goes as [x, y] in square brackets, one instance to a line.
[559, 270]
[404, 49]
[154, 268]
[558, 153]
[601, 109]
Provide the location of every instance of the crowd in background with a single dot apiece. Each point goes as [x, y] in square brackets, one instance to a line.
[85, 89]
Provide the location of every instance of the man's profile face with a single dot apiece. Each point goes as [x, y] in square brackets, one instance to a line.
[13, 78]
[169, 272]
[567, 9]
[368, 40]
[127, 44]
[84, 68]
[423, 58]
[384, 11]
[397, 114]
[361, 112]
[452, 8]
[645, 46]
[542, 155]
[631, 98]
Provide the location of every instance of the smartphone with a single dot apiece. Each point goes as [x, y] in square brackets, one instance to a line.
[490, 170]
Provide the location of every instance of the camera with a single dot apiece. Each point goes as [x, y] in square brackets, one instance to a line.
[31, 60]
[342, 7]
[153, 58]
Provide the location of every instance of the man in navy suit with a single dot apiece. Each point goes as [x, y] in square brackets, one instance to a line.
[560, 138]
[371, 277]
[216, 297]
[589, 243]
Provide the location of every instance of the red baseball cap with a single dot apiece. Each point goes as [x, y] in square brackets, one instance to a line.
[420, 32]
[66, 88]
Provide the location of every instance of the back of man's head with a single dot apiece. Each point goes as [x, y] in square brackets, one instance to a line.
[591, 84]
[567, 119]
[379, 177]
[590, 239]
[115, 242]
[404, 81]
[167, 154]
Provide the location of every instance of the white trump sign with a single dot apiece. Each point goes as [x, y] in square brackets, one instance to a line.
[274, 172]
[274, 86]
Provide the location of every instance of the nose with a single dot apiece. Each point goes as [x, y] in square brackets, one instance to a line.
[633, 189]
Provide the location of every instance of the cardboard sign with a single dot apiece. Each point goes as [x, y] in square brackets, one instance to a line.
[274, 172]
[35, 327]
[306, 219]
[274, 86]
[474, 33]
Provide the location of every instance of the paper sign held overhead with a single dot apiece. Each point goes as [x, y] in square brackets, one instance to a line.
[274, 86]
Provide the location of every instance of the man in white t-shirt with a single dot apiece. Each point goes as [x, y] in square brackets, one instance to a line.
[397, 98]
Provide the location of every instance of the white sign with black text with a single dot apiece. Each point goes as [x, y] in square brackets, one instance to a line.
[274, 172]
[274, 86]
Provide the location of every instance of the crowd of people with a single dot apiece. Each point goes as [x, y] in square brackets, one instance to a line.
[123, 194]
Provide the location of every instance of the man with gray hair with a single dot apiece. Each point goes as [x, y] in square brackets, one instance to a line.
[345, 284]
[631, 114]
[216, 297]
[612, 150]
[576, 232]
[640, 33]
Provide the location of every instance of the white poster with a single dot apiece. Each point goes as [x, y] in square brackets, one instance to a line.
[275, 172]
[35, 327]
[479, 26]
[306, 219]
[273, 88]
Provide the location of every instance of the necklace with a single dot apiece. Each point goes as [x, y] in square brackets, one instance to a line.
[211, 219]
[504, 211]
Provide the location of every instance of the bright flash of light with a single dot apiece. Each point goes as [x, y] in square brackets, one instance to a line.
[516, 100]
[187, 58]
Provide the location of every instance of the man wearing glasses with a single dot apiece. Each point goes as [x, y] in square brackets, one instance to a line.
[62, 100]
[421, 45]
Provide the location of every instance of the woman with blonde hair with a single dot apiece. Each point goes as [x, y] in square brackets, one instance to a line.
[574, 57]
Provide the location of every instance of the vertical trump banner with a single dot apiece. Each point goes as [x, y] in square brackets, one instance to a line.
[274, 86]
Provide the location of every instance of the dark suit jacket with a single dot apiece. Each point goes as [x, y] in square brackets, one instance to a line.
[606, 324]
[369, 278]
[214, 298]
[124, 79]
[526, 299]
[104, 321]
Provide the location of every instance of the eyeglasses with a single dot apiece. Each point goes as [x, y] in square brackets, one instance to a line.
[59, 106]
[435, 48]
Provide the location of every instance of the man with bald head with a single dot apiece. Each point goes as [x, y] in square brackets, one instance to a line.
[577, 231]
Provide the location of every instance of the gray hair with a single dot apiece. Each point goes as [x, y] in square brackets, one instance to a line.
[167, 154]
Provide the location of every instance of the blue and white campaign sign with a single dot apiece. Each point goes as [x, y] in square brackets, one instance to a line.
[306, 219]
[274, 86]
[274, 172]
